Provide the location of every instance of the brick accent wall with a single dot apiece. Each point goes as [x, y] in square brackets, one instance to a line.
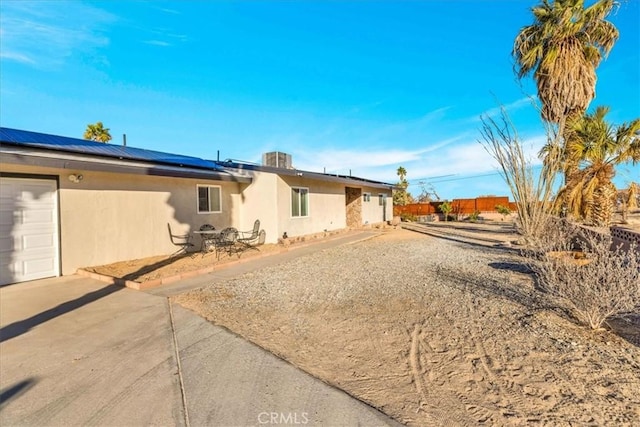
[353, 198]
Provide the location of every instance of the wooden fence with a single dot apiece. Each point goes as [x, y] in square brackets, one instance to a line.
[459, 206]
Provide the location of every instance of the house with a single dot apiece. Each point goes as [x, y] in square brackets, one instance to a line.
[68, 203]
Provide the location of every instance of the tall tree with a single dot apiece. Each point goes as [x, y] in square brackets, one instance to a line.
[563, 47]
[401, 196]
[597, 147]
[402, 173]
[97, 132]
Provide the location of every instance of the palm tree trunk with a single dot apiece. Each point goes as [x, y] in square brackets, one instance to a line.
[603, 205]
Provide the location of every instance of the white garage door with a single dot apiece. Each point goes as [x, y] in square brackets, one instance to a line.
[28, 229]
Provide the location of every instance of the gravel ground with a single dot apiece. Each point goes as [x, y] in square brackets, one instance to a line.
[432, 332]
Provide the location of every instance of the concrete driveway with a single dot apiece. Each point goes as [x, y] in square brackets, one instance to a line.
[75, 351]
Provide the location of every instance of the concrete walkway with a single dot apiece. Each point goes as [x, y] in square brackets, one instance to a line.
[75, 351]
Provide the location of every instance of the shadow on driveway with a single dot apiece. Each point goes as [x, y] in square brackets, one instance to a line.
[15, 391]
[20, 327]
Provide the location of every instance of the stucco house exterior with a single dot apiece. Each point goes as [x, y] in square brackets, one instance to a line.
[67, 203]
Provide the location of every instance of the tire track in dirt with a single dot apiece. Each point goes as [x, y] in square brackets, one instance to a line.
[441, 407]
[504, 388]
[478, 412]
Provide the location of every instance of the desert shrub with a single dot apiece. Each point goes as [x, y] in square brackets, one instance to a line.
[532, 192]
[586, 274]
[407, 217]
[446, 208]
[474, 216]
[503, 210]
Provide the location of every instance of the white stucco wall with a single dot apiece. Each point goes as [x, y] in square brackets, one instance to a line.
[258, 201]
[110, 217]
[327, 210]
[268, 198]
[372, 211]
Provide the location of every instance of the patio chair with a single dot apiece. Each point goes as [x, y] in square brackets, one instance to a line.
[249, 239]
[208, 241]
[182, 241]
[227, 241]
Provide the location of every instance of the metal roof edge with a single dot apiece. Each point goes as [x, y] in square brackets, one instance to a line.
[303, 173]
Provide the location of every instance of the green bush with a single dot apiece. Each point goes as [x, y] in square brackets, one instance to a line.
[407, 217]
[473, 217]
[504, 211]
[445, 207]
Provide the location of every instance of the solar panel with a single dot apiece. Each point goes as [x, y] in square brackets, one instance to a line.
[82, 146]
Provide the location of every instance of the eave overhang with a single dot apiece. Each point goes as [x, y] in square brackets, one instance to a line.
[19, 155]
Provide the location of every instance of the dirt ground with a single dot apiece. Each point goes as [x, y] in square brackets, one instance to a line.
[146, 269]
[446, 352]
[478, 350]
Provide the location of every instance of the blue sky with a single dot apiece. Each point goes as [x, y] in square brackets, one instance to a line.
[360, 86]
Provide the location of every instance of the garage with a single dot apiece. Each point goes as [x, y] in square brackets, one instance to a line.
[28, 229]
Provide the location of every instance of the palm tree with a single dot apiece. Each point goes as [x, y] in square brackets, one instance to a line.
[97, 132]
[627, 200]
[597, 148]
[563, 48]
[401, 196]
[402, 173]
[632, 195]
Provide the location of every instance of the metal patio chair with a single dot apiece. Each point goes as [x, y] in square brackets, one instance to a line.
[252, 238]
[208, 241]
[227, 242]
[182, 241]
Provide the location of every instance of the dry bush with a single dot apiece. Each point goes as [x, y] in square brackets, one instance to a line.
[587, 275]
[533, 193]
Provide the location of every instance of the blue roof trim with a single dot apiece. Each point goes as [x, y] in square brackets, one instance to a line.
[82, 146]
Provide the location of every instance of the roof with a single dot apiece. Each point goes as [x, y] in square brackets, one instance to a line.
[92, 148]
[26, 147]
[44, 150]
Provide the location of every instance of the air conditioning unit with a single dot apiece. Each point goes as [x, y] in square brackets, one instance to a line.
[276, 159]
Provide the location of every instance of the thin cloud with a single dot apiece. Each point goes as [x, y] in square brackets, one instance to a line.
[341, 160]
[44, 34]
[435, 114]
[515, 105]
[169, 11]
[335, 161]
[166, 33]
[18, 57]
[157, 43]
[443, 158]
[509, 108]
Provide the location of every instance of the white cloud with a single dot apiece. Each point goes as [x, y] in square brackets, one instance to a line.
[450, 158]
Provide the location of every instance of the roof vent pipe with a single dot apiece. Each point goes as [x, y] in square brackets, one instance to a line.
[124, 139]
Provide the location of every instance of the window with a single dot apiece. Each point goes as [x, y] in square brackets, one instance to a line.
[299, 201]
[209, 199]
[366, 197]
[381, 199]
